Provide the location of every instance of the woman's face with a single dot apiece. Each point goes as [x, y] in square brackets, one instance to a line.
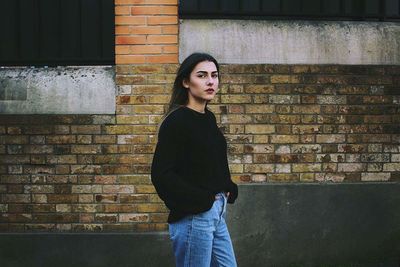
[203, 82]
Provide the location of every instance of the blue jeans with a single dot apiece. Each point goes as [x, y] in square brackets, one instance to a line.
[203, 240]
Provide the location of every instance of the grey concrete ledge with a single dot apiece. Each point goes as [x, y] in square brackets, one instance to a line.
[58, 90]
[292, 42]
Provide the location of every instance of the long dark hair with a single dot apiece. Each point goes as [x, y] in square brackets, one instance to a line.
[179, 93]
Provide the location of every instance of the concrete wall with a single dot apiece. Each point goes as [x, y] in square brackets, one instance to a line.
[61, 90]
[292, 42]
[355, 224]
[278, 225]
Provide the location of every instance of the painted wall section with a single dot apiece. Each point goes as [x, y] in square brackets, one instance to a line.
[292, 42]
[61, 90]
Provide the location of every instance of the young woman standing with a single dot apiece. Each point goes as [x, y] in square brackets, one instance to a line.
[190, 168]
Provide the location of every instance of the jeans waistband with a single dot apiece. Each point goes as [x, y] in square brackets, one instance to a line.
[220, 194]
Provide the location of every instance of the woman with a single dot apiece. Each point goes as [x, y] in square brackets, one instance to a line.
[190, 169]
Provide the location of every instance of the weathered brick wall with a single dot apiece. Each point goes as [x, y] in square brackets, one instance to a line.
[283, 124]
[312, 123]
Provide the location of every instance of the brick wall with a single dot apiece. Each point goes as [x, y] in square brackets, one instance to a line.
[299, 123]
[283, 123]
[146, 31]
[312, 123]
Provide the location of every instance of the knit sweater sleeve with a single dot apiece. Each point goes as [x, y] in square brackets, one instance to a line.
[232, 188]
[173, 189]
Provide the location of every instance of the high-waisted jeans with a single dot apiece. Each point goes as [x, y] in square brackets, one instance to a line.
[203, 240]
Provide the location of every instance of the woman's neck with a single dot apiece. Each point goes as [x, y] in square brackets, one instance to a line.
[200, 107]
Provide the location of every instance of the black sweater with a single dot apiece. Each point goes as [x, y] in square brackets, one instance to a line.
[190, 163]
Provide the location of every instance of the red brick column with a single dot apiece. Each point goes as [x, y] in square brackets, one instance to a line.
[146, 31]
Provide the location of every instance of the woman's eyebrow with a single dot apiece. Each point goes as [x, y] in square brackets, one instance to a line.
[203, 71]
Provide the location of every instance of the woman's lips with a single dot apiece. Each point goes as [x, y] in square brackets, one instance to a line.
[210, 90]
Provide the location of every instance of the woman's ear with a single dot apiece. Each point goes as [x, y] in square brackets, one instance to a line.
[185, 83]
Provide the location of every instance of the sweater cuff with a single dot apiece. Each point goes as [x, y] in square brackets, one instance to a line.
[233, 193]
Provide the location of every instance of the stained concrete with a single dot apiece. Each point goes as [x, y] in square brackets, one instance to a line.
[317, 225]
[291, 42]
[279, 225]
[57, 90]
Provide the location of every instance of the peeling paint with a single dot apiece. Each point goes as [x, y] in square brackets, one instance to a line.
[60, 90]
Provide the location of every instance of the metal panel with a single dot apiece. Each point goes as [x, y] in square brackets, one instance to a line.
[392, 8]
[107, 33]
[28, 30]
[290, 8]
[382, 10]
[332, 7]
[190, 6]
[57, 32]
[311, 7]
[250, 6]
[230, 6]
[50, 32]
[70, 27]
[206, 5]
[90, 34]
[271, 6]
[372, 8]
[9, 19]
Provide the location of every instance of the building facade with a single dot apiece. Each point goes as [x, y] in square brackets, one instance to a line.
[304, 105]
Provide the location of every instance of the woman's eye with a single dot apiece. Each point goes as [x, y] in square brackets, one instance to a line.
[205, 75]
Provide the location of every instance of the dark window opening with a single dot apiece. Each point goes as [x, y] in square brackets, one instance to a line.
[56, 32]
